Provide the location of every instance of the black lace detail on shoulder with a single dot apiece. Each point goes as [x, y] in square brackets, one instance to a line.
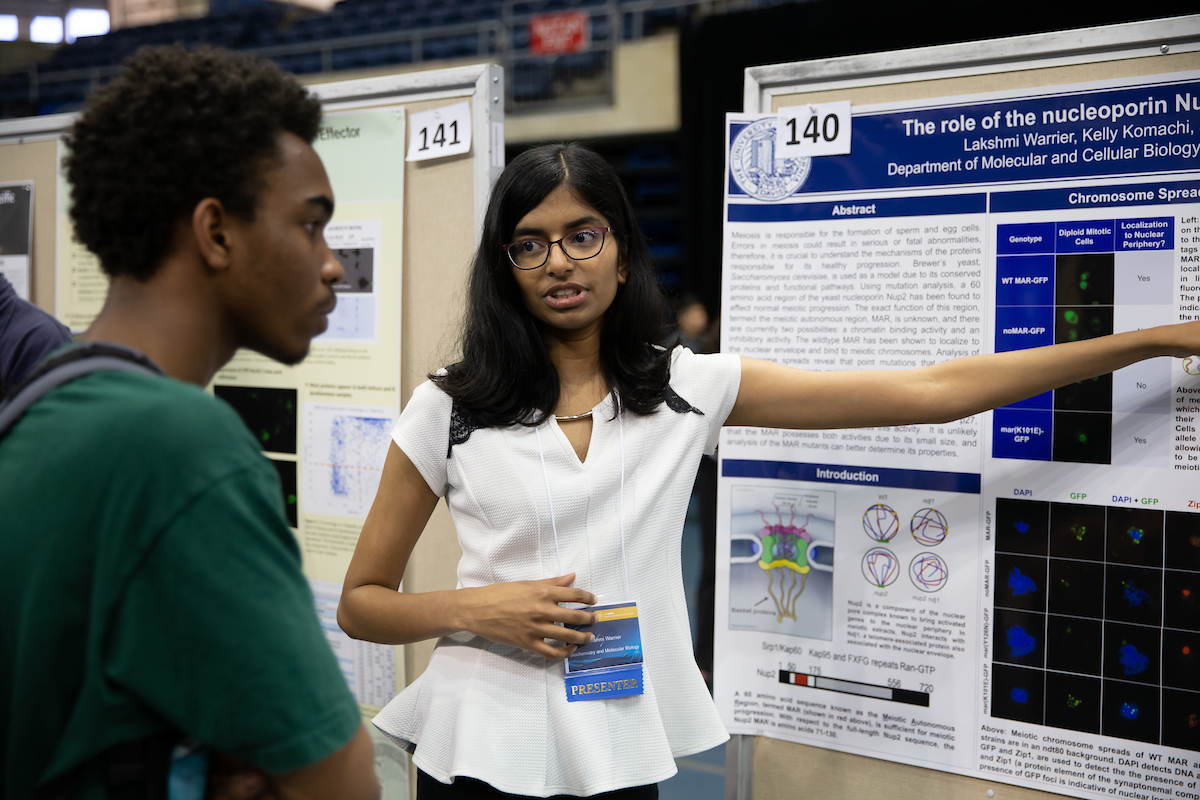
[461, 427]
[677, 403]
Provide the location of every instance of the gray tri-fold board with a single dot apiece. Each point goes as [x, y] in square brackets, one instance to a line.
[1011, 610]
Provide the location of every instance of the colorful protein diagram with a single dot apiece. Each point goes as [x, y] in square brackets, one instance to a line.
[785, 547]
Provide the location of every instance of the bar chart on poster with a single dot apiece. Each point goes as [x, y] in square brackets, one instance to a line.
[1014, 595]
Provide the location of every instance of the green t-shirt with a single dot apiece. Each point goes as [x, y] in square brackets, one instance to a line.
[149, 581]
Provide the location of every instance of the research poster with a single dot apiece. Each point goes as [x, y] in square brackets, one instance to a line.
[16, 234]
[325, 424]
[1013, 596]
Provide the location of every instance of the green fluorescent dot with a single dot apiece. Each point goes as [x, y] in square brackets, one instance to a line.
[1083, 438]
[1083, 285]
[1071, 317]
[291, 499]
[266, 436]
[1073, 335]
[1072, 702]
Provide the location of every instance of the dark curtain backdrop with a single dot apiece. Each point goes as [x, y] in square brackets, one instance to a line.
[714, 52]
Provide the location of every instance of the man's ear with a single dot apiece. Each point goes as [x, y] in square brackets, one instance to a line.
[211, 230]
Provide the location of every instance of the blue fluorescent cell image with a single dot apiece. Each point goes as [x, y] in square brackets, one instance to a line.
[1023, 527]
[1019, 695]
[1020, 583]
[1129, 711]
[1136, 534]
[1133, 595]
[1132, 660]
[1020, 642]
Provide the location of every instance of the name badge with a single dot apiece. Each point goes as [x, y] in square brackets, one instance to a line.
[611, 665]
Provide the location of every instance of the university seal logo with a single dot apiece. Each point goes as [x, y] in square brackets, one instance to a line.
[755, 168]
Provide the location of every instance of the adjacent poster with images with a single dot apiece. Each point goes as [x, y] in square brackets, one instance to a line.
[16, 234]
[1014, 595]
[326, 423]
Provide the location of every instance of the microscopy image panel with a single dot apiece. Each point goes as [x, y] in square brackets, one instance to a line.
[1132, 653]
[1021, 582]
[1130, 711]
[1076, 588]
[1022, 526]
[1077, 531]
[1020, 637]
[1074, 645]
[287, 482]
[1181, 600]
[1076, 323]
[1081, 437]
[270, 414]
[1093, 394]
[1181, 719]
[1135, 536]
[1133, 594]
[1073, 702]
[1084, 279]
[1018, 694]
[359, 265]
[1181, 659]
[1183, 540]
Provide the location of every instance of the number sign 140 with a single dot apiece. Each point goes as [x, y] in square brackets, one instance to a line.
[820, 129]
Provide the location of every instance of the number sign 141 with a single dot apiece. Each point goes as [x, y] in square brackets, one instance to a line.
[439, 132]
[819, 129]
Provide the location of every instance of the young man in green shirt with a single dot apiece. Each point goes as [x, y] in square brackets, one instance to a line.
[149, 582]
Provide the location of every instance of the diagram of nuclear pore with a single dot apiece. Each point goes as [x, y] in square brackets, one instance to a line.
[781, 561]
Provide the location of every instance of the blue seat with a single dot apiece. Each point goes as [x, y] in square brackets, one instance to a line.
[652, 192]
[532, 80]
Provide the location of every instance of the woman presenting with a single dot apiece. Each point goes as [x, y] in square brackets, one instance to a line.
[565, 443]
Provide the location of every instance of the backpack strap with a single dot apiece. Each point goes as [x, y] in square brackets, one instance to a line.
[72, 363]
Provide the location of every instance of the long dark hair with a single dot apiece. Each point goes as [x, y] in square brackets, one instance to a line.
[506, 375]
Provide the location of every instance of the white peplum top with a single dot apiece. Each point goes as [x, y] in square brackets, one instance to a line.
[500, 714]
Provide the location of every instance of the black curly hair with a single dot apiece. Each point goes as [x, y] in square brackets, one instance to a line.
[175, 127]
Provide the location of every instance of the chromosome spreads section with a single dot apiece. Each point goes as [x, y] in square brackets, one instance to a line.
[1097, 620]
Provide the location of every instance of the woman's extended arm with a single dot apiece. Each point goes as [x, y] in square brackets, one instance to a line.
[521, 614]
[775, 396]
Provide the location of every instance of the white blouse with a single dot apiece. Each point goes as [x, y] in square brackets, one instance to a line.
[500, 714]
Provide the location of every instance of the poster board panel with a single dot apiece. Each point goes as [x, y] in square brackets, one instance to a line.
[35, 161]
[943, 77]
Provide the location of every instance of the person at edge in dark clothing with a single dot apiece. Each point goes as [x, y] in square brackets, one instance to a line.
[150, 586]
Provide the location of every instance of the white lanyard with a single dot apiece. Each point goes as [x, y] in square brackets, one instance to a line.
[620, 501]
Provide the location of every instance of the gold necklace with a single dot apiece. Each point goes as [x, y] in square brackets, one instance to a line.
[573, 417]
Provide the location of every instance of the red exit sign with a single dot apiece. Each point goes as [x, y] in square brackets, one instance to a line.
[562, 32]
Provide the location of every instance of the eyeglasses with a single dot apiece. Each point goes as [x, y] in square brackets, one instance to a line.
[577, 246]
